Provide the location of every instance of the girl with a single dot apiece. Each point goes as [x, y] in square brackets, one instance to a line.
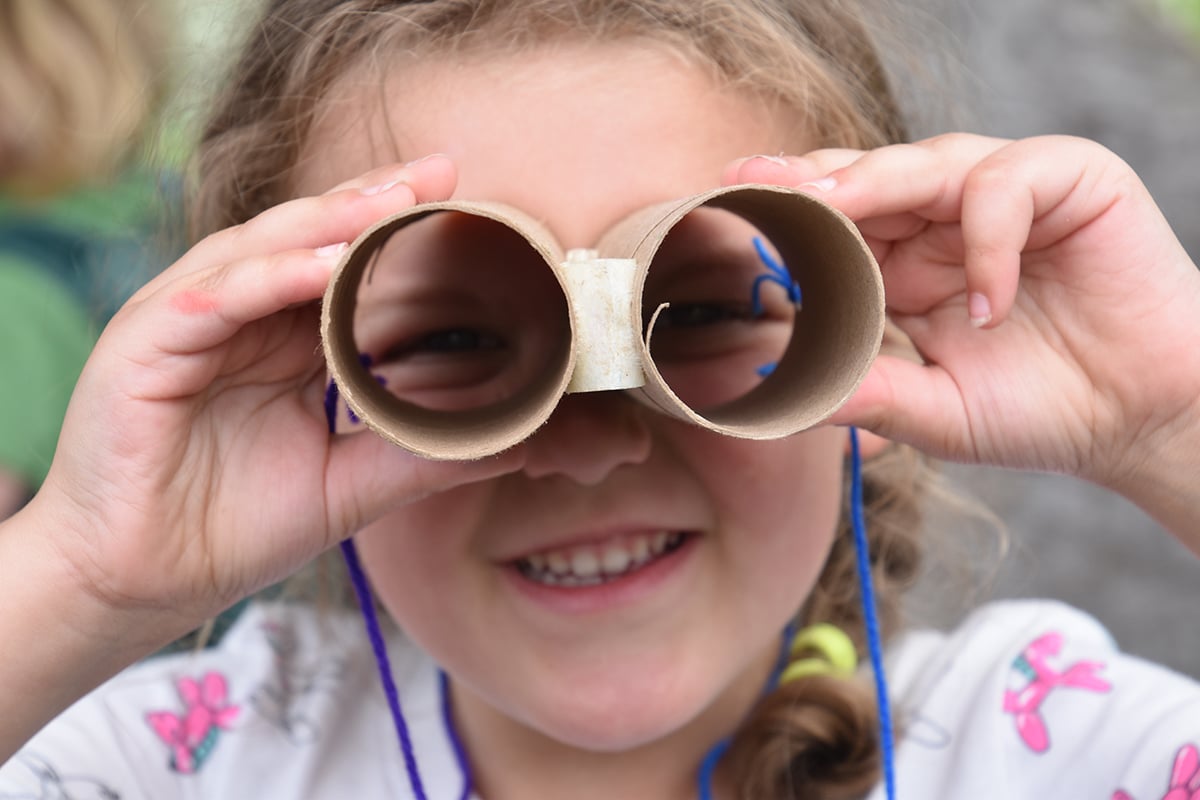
[1036, 279]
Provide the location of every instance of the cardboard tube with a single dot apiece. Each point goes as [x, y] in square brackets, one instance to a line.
[833, 342]
[834, 339]
[448, 435]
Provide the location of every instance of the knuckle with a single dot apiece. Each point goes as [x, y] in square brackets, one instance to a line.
[991, 176]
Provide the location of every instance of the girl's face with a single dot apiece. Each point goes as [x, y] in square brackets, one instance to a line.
[716, 541]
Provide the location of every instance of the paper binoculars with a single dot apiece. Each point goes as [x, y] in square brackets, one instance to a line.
[608, 323]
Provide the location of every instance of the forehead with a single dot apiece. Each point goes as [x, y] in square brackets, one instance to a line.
[576, 135]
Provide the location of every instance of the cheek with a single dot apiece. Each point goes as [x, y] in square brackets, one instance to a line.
[793, 482]
[419, 561]
[778, 502]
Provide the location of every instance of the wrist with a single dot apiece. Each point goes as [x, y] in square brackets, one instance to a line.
[1161, 474]
[60, 640]
[13, 493]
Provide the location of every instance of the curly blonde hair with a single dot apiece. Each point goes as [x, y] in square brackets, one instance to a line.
[812, 738]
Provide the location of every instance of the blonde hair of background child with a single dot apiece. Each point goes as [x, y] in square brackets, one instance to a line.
[79, 81]
[814, 737]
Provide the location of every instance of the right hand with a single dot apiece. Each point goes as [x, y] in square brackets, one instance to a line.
[195, 464]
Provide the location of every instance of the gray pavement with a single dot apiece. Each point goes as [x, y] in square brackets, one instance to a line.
[1110, 71]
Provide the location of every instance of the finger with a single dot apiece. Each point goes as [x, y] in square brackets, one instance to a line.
[997, 215]
[894, 227]
[311, 222]
[368, 476]
[894, 191]
[923, 272]
[787, 170]
[197, 312]
[924, 178]
[912, 404]
[437, 173]
[1021, 191]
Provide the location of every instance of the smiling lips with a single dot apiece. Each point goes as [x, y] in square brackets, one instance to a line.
[594, 564]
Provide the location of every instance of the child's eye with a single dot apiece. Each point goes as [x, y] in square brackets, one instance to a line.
[713, 353]
[692, 315]
[708, 344]
[448, 369]
[450, 340]
[699, 331]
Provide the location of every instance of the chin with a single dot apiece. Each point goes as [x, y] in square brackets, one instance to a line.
[611, 733]
[620, 716]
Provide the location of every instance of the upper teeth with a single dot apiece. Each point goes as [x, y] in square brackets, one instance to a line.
[588, 565]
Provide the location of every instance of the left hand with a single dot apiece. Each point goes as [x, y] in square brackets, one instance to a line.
[1055, 310]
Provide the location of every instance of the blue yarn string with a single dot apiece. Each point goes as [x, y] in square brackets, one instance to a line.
[777, 273]
[709, 765]
[362, 592]
[871, 614]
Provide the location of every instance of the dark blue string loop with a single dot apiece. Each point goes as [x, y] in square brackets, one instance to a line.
[362, 592]
[460, 752]
[709, 766]
[366, 604]
[777, 273]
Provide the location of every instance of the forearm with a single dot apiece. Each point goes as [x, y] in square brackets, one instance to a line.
[59, 643]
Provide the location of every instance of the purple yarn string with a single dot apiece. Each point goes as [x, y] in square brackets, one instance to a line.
[460, 752]
[366, 604]
[363, 592]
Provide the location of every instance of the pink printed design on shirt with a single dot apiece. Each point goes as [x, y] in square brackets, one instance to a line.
[193, 735]
[1185, 777]
[1025, 704]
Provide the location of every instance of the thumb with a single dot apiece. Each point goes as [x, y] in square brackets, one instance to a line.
[914, 404]
[368, 476]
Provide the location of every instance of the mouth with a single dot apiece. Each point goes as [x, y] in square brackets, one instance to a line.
[599, 563]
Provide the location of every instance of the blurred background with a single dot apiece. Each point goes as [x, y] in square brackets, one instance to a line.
[1127, 74]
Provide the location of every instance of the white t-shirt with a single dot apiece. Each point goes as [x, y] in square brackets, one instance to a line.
[1024, 700]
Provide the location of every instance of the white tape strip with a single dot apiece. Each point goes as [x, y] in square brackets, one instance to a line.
[607, 344]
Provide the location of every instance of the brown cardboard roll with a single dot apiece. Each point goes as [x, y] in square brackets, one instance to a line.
[834, 340]
[449, 435]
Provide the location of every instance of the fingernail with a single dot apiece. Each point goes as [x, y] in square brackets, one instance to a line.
[979, 308]
[381, 188]
[414, 162]
[779, 160]
[820, 185]
[331, 250]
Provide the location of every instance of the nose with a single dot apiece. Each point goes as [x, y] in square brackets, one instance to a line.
[588, 436]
